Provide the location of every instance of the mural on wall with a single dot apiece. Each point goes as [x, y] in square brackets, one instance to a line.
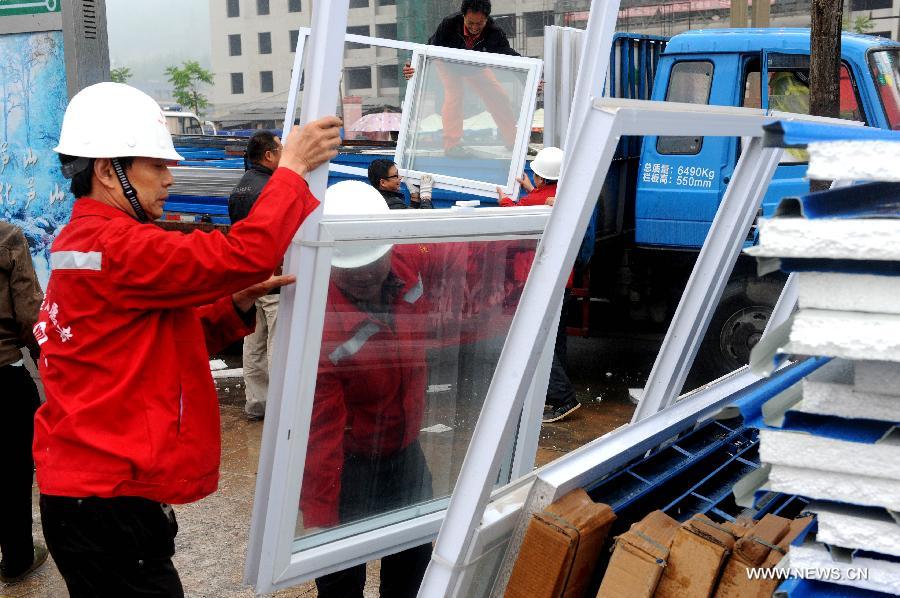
[33, 97]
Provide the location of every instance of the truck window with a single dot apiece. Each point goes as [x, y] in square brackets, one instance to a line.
[788, 91]
[689, 82]
[884, 67]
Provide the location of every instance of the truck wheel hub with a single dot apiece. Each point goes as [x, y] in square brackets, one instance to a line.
[742, 331]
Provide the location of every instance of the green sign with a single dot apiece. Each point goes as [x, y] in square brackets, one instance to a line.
[35, 7]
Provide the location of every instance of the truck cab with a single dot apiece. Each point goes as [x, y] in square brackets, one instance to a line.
[678, 182]
[682, 179]
[187, 123]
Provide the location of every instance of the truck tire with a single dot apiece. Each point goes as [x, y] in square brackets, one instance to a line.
[737, 325]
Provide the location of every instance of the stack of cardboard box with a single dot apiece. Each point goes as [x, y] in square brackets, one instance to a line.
[656, 557]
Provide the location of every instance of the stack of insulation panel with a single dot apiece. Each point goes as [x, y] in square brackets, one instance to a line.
[834, 438]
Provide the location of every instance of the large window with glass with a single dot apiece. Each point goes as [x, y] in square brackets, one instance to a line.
[468, 118]
[414, 309]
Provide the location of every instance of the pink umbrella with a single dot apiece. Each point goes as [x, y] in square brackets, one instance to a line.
[378, 121]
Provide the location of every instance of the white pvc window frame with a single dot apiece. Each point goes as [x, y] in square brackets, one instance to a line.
[420, 53]
[414, 90]
[276, 558]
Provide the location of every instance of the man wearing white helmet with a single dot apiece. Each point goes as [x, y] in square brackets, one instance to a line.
[364, 456]
[131, 313]
[546, 166]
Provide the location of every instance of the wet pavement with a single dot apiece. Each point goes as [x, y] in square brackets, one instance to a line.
[212, 537]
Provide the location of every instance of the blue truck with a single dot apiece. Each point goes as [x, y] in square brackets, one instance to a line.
[662, 193]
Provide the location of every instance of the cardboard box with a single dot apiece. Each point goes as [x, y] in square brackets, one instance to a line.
[698, 551]
[750, 551]
[560, 548]
[639, 558]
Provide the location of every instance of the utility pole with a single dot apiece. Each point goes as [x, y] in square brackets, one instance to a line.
[825, 64]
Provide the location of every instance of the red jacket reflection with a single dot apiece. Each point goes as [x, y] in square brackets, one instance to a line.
[372, 371]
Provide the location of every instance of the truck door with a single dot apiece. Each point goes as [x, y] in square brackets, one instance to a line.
[786, 89]
[681, 180]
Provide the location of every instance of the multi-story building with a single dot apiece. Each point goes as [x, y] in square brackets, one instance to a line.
[253, 41]
[253, 45]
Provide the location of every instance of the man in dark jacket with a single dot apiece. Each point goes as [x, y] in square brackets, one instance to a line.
[263, 154]
[471, 29]
[384, 176]
[20, 300]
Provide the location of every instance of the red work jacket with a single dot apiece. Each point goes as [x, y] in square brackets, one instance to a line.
[370, 393]
[537, 197]
[129, 319]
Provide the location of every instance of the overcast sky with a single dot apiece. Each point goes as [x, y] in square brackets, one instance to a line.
[149, 35]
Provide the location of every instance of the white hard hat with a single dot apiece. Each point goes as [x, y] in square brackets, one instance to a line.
[355, 198]
[113, 120]
[547, 163]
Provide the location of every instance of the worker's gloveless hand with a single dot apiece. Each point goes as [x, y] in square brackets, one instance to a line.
[244, 300]
[408, 71]
[309, 147]
[526, 183]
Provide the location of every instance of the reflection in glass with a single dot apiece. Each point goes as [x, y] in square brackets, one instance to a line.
[411, 337]
[464, 120]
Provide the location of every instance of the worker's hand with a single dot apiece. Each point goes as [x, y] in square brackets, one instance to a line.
[309, 147]
[244, 300]
[526, 183]
[550, 201]
[408, 71]
[500, 195]
[540, 86]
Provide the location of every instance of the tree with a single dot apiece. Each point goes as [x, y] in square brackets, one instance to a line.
[825, 64]
[120, 75]
[860, 24]
[186, 82]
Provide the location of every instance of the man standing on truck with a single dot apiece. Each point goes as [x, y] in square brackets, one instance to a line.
[262, 156]
[20, 298]
[131, 313]
[471, 29]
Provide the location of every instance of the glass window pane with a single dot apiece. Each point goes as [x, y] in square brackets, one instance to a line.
[234, 44]
[265, 43]
[237, 83]
[233, 8]
[689, 82]
[410, 343]
[294, 6]
[262, 7]
[293, 36]
[266, 82]
[386, 30]
[358, 78]
[885, 68]
[464, 122]
[357, 30]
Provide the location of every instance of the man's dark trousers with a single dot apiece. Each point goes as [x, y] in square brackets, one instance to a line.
[119, 546]
[20, 401]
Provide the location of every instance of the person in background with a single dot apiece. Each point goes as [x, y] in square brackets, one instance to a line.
[262, 156]
[130, 316]
[561, 400]
[472, 28]
[384, 176]
[20, 299]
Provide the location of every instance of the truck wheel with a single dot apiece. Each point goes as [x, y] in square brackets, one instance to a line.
[737, 325]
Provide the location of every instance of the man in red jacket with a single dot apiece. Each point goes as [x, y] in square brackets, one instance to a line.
[131, 313]
[547, 165]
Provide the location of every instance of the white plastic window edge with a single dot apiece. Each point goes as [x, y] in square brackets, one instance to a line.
[523, 123]
[297, 69]
[435, 226]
